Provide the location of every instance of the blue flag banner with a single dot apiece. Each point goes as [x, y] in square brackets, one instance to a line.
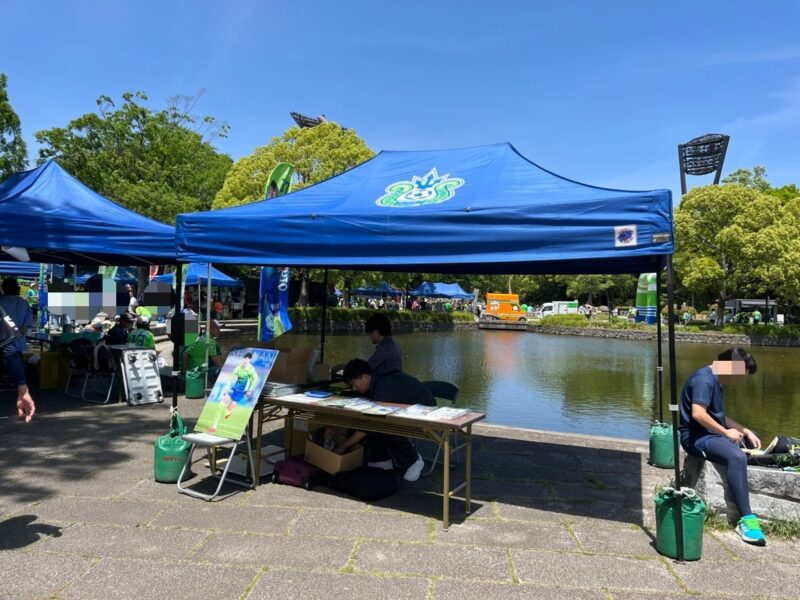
[273, 303]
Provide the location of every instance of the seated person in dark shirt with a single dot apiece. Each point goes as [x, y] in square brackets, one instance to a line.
[387, 356]
[118, 334]
[394, 388]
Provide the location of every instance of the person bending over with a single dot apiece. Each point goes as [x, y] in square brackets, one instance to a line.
[387, 356]
[394, 388]
[708, 433]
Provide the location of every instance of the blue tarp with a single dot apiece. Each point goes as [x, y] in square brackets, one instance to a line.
[19, 269]
[440, 290]
[60, 220]
[474, 210]
[380, 290]
[198, 272]
[123, 275]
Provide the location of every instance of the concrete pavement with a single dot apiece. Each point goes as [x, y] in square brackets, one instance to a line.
[555, 516]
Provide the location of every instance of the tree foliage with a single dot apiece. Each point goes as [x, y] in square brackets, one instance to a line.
[734, 240]
[317, 153]
[13, 153]
[156, 162]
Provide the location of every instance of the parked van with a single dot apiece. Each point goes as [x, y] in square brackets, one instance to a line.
[505, 307]
[558, 307]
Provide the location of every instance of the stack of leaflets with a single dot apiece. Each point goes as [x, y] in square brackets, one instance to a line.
[359, 404]
[432, 413]
[379, 410]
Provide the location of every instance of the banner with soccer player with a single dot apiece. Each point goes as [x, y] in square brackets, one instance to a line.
[273, 304]
[233, 398]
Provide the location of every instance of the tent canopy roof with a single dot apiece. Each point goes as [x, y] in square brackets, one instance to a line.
[197, 273]
[60, 220]
[379, 290]
[440, 290]
[473, 210]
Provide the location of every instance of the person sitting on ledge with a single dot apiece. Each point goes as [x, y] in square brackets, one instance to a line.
[387, 356]
[393, 388]
[708, 433]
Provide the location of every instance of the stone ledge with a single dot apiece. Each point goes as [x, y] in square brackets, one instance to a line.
[774, 493]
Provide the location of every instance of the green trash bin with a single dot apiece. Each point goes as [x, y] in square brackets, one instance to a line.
[196, 383]
[661, 451]
[694, 518]
[171, 452]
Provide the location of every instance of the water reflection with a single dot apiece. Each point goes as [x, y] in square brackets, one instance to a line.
[576, 384]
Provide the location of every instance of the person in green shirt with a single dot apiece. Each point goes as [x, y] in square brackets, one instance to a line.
[240, 385]
[195, 353]
[756, 316]
[142, 336]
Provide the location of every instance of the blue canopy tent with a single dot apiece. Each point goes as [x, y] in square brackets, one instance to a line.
[473, 210]
[197, 274]
[440, 290]
[19, 269]
[60, 220]
[380, 290]
[122, 275]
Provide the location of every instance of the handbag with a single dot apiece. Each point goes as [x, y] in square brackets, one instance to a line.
[8, 329]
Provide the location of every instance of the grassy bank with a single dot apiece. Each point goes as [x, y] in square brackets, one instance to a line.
[602, 322]
[356, 315]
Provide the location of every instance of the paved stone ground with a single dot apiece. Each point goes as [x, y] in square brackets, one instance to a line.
[555, 517]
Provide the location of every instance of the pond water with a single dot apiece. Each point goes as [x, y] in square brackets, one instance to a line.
[580, 384]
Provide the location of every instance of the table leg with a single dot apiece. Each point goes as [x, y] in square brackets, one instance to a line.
[468, 488]
[446, 484]
[259, 436]
[288, 428]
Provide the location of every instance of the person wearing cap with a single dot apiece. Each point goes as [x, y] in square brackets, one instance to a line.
[195, 353]
[707, 432]
[142, 336]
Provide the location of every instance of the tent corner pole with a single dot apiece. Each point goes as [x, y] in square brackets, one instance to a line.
[659, 342]
[208, 318]
[673, 407]
[176, 359]
[324, 317]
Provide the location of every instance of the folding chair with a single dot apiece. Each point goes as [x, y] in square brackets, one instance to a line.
[449, 392]
[100, 376]
[210, 443]
[80, 354]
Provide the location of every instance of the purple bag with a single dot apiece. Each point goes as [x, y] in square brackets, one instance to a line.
[297, 472]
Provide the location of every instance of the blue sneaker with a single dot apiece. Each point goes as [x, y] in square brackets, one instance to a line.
[749, 529]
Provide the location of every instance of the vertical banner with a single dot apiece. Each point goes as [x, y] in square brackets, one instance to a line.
[273, 303]
[646, 301]
[44, 276]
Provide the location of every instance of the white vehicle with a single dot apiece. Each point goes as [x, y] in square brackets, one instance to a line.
[558, 307]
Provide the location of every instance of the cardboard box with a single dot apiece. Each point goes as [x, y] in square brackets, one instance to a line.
[294, 365]
[330, 462]
[302, 428]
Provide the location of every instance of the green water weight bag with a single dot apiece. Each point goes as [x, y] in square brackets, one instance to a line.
[661, 449]
[694, 517]
[196, 383]
[171, 452]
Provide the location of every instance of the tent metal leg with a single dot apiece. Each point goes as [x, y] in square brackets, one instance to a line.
[659, 340]
[324, 318]
[176, 359]
[673, 407]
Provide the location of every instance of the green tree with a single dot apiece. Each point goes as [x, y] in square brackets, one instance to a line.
[13, 153]
[732, 239]
[156, 162]
[317, 153]
[755, 179]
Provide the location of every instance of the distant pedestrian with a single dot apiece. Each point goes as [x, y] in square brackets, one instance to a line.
[687, 317]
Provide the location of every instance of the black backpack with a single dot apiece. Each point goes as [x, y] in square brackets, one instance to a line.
[366, 483]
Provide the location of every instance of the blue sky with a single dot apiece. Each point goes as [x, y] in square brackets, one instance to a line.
[601, 92]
